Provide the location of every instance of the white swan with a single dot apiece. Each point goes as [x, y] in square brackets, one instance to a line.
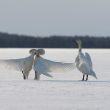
[83, 63]
[23, 64]
[44, 66]
[36, 62]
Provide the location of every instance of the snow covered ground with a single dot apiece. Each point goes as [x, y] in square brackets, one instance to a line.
[64, 91]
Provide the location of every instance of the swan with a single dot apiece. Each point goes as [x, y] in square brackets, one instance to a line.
[45, 66]
[39, 52]
[83, 63]
[23, 65]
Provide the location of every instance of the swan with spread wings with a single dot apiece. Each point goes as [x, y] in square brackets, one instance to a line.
[45, 66]
[23, 65]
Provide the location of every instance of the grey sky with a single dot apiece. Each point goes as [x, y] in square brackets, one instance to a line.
[55, 17]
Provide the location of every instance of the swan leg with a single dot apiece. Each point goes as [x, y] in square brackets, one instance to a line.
[24, 75]
[37, 76]
[86, 77]
[83, 77]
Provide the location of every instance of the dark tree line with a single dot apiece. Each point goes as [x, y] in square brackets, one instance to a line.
[22, 41]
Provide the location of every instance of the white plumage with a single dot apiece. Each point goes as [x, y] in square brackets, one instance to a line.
[23, 65]
[84, 63]
[44, 66]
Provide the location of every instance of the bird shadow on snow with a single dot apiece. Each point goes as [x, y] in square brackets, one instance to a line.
[75, 81]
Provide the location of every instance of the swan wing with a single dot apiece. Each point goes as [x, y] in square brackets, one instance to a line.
[40, 67]
[83, 67]
[88, 59]
[15, 64]
[51, 66]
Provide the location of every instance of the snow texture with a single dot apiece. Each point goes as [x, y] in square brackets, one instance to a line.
[64, 91]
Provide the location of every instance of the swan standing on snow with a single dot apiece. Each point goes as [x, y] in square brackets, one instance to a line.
[44, 66]
[38, 56]
[84, 63]
[23, 65]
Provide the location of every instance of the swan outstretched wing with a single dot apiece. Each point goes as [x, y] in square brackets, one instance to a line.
[41, 68]
[14, 64]
[88, 59]
[46, 66]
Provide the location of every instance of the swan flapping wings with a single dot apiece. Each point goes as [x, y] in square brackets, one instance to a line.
[45, 66]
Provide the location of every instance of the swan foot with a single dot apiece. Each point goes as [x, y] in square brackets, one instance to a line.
[37, 76]
[83, 77]
[86, 77]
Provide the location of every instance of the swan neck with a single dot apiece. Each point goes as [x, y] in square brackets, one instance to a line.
[80, 47]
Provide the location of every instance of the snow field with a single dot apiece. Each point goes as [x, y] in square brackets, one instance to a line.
[63, 91]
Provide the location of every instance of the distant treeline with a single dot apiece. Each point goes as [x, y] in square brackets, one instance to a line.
[22, 41]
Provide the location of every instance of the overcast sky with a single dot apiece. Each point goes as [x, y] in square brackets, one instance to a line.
[55, 17]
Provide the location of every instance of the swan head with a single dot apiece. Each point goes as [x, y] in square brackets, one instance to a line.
[79, 44]
[40, 52]
[33, 51]
[78, 41]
